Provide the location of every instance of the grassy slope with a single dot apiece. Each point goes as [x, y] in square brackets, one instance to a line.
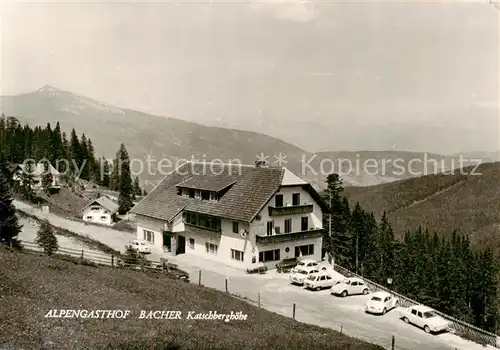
[440, 202]
[31, 285]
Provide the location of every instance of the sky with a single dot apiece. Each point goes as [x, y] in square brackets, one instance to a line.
[284, 68]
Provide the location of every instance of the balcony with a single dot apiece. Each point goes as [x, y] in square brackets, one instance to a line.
[289, 237]
[291, 210]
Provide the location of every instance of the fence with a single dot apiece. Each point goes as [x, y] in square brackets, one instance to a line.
[89, 257]
[461, 328]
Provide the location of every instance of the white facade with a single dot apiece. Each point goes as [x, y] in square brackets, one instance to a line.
[37, 180]
[97, 214]
[241, 249]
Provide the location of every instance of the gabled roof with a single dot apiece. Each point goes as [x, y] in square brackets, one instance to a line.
[39, 169]
[290, 179]
[104, 202]
[252, 188]
[213, 183]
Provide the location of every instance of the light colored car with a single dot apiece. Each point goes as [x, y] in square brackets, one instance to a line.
[300, 276]
[380, 303]
[140, 246]
[306, 264]
[318, 281]
[425, 318]
[350, 286]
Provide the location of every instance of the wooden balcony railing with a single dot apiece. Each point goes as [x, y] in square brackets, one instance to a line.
[291, 210]
[288, 237]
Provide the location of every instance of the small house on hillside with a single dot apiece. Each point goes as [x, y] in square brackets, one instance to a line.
[100, 211]
[37, 172]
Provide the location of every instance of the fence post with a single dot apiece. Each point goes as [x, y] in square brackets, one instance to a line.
[341, 328]
[112, 261]
[258, 299]
[393, 342]
[199, 278]
[163, 266]
[10, 242]
[226, 286]
[294, 311]
[82, 255]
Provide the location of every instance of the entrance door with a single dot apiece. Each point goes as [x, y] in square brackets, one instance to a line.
[181, 244]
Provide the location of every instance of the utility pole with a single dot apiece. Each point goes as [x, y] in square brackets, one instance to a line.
[330, 221]
[356, 254]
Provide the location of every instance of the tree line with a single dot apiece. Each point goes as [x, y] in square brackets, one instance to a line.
[449, 275]
[73, 156]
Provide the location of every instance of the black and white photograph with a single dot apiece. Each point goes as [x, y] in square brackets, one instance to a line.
[250, 174]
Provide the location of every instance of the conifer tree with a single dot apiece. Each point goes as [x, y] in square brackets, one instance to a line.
[27, 181]
[9, 225]
[46, 238]
[126, 196]
[338, 238]
[137, 187]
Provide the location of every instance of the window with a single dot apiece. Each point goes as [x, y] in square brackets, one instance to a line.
[304, 249]
[204, 221]
[270, 226]
[414, 312]
[304, 223]
[328, 277]
[355, 283]
[419, 314]
[288, 225]
[277, 230]
[211, 248]
[323, 278]
[279, 200]
[191, 243]
[89, 218]
[149, 236]
[191, 193]
[103, 217]
[179, 191]
[197, 194]
[95, 208]
[236, 255]
[269, 255]
[235, 227]
[296, 199]
[205, 195]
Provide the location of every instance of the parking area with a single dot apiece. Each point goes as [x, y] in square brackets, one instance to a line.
[276, 294]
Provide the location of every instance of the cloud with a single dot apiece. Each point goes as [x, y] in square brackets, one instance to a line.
[291, 10]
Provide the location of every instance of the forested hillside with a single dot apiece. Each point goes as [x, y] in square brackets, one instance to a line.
[447, 273]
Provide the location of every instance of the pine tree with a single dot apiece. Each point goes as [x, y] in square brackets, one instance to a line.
[338, 239]
[137, 187]
[75, 153]
[385, 248]
[126, 197]
[27, 181]
[46, 238]
[9, 226]
[105, 173]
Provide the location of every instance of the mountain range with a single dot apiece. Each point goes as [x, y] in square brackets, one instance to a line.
[165, 141]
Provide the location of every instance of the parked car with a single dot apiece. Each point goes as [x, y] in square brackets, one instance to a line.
[380, 303]
[300, 276]
[318, 281]
[305, 264]
[425, 318]
[140, 246]
[350, 286]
